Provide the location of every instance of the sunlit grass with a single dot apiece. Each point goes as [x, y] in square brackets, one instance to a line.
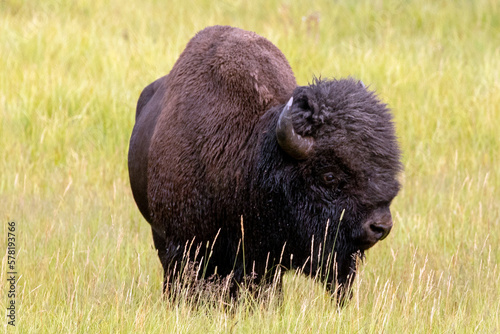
[71, 73]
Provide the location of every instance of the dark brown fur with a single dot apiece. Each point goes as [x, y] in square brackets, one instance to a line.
[203, 154]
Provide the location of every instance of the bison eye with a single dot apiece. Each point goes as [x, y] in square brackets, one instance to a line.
[328, 178]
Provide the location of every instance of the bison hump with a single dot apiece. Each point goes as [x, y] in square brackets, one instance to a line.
[236, 66]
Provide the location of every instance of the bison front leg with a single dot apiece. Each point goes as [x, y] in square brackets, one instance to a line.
[258, 280]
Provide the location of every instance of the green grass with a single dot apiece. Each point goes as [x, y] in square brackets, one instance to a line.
[71, 73]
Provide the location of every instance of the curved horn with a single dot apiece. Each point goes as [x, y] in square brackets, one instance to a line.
[292, 143]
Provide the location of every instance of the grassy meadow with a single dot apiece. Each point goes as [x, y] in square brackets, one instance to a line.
[71, 73]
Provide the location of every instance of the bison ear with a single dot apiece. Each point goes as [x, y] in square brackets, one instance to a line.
[292, 143]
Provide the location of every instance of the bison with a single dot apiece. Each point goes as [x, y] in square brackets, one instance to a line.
[228, 151]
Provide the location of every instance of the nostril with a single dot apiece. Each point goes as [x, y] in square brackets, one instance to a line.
[377, 229]
[380, 230]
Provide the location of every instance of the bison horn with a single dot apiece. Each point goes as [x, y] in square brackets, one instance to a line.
[292, 143]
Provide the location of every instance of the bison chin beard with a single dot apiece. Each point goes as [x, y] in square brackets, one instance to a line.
[337, 271]
[342, 283]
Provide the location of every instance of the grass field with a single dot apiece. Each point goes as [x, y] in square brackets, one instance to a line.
[71, 73]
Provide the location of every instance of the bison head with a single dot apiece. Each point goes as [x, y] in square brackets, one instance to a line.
[336, 174]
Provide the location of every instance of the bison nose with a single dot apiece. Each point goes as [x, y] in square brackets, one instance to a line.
[376, 227]
[380, 230]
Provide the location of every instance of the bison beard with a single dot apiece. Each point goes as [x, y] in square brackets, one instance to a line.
[242, 172]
